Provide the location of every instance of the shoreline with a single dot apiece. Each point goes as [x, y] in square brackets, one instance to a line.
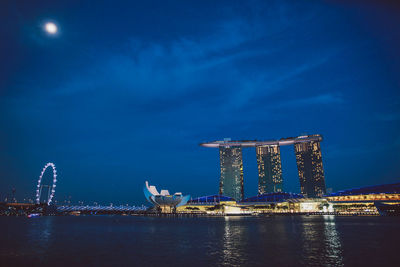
[194, 215]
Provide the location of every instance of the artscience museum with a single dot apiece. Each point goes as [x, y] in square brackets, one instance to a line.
[163, 200]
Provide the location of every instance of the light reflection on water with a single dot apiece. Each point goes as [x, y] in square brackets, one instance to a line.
[229, 241]
[42, 230]
[321, 240]
[40, 234]
[333, 247]
[233, 241]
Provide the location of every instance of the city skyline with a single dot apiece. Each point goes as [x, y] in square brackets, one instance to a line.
[224, 133]
[119, 93]
[270, 180]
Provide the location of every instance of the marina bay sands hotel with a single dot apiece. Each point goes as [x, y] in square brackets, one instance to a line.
[309, 164]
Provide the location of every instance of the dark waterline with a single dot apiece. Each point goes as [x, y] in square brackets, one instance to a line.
[245, 241]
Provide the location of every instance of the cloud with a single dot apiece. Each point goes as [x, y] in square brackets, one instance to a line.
[218, 74]
[147, 70]
[198, 70]
[323, 99]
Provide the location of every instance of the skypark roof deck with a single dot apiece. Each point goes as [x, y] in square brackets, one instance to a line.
[254, 143]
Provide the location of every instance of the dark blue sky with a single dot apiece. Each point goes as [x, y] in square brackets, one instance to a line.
[126, 91]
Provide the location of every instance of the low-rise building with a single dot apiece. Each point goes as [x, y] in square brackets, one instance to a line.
[364, 199]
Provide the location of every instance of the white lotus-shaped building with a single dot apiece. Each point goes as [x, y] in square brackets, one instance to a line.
[164, 198]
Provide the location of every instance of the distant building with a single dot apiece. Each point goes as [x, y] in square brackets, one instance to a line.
[384, 199]
[212, 199]
[273, 197]
[164, 201]
[231, 179]
[280, 202]
[309, 165]
[269, 169]
[369, 200]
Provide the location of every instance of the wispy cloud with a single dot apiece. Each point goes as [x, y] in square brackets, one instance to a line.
[323, 99]
[192, 68]
[221, 73]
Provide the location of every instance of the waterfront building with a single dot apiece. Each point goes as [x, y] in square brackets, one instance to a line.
[231, 179]
[309, 165]
[358, 201]
[279, 202]
[269, 169]
[163, 201]
[272, 197]
[364, 199]
[212, 199]
[213, 204]
[283, 202]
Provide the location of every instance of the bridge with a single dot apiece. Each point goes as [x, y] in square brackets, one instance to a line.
[48, 207]
[101, 209]
[45, 209]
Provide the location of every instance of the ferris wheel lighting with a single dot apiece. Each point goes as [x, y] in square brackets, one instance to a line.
[53, 166]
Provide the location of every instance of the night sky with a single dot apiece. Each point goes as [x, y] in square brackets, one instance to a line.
[126, 91]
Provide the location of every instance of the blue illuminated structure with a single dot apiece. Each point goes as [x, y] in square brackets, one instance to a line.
[273, 197]
[376, 189]
[213, 199]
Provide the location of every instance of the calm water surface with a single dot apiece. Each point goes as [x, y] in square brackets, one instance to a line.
[230, 241]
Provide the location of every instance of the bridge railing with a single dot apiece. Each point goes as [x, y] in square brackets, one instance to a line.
[101, 208]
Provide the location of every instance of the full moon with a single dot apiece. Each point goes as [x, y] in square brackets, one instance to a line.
[50, 28]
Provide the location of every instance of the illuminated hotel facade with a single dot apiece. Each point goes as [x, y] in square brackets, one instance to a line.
[269, 169]
[231, 179]
[309, 164]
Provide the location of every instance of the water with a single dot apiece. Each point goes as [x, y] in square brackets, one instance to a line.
[230, 241]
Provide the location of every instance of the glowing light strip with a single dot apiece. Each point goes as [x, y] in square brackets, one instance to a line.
[53, 188]
[254, 143]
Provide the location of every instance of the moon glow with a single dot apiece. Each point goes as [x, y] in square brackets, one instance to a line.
[50, 28]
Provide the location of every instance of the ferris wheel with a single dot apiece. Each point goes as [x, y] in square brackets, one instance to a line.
[52, 189]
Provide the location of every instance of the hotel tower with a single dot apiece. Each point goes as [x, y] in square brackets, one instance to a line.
[231, 179]
[309, 165]
[269, 169]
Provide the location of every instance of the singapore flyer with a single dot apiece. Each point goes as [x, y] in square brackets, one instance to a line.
[53, 188]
